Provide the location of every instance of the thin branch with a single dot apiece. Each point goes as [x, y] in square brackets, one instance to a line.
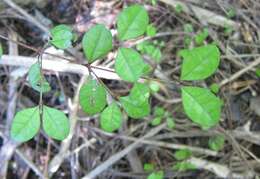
[57, 65]
[203, 14]
[221, 171]
[241, 72]
[113, 159]
[59, 158]
[26, 15]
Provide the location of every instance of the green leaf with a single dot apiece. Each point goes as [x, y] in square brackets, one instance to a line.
[216, 143]
[137, 104]
[111, 118]
[156, 175]
[200, 37]
[178, 8]
[35, 78]
[214, 88]
[97, 42]
[141, 46]
[182, 154]
[140, 92]
[61, 36]
[92, 97]
[170, 122]
[257, 72]
[201, 106]
[132, 22]
[1, 51]
[55, 123]
[134, 108]
[151, 30]
[156, 121]
[159, 111]
[26, 124]
[148, 167]
[153, 52]
[199, 63]
[129, 64]
[184, 166]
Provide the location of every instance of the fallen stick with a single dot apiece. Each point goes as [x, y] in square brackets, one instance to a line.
[114, 158]
[58, 65]
[203, 14]
[241, 72]
[222, 171]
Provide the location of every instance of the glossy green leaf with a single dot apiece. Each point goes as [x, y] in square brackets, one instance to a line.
[92, 97]
[134, 108]
[61, 36]
[132, 22]
[129, 64]
[55, 123]
[26, 124]
[156, 175]
[111, 118]
[199, 63]
[184, 166]
[97, 42]
[182, 154]
[35, 78]
[201, 106]
[217, 142]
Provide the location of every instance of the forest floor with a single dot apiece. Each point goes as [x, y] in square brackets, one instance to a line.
[140, 147]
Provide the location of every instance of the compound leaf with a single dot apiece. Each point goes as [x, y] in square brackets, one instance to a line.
[199, 63]
[35, 78]
[26, 124]
[111, 118]
[55, 123]
[61, 36]
[129, 64]
[201, 106]
[97, 42]
[132, 22]
[92, 97]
